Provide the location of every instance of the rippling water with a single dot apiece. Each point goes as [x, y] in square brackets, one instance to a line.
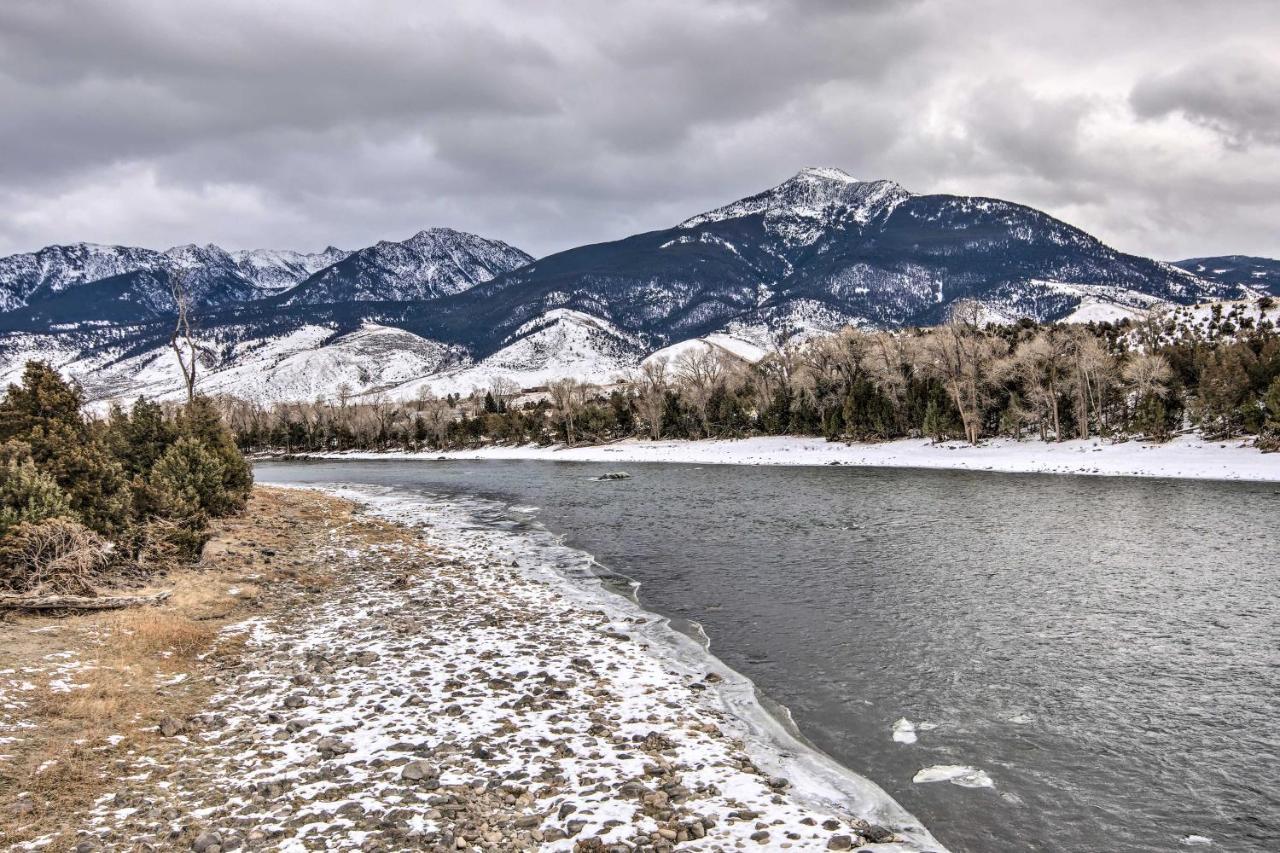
[1106, 650]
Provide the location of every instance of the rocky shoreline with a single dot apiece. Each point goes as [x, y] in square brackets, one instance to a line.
[446, 694]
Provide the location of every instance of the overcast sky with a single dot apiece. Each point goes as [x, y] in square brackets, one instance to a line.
[1154, 125]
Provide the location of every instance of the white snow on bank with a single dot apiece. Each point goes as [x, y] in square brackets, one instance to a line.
[1186, 457]
[816, 781]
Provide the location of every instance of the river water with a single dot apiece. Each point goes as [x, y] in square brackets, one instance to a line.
[1103, 654]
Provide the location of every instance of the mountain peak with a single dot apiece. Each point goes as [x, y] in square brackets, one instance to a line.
[433, 262]
[434, 231]
[816, 198]
[825, 173]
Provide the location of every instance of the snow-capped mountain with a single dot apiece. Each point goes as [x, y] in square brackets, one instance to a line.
[54, 269]
[817, 252]
[810, 255]
[281, 269]
[1260, 274]
[801, 210]
[431, 263]
[90, 283]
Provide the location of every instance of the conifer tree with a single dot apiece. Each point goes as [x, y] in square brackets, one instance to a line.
[201, 421]
[26, 493]
[44, 414]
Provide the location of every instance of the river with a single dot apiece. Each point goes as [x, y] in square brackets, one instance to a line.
[1102, 654]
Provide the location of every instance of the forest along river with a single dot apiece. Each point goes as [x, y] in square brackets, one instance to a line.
[1082, 663]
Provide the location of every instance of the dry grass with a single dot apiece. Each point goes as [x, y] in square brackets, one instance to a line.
[65, 762]
[155, 632]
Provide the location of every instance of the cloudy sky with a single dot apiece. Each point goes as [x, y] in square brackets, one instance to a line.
[1155, 125]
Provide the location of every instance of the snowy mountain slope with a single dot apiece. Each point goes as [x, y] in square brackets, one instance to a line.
[313, 362]
[89, 283]
[281, 269]
[309, 362]
[1219, 319]
[721, 343]
[54, 269]
[431, 263]
[1259, 274]
[560, 344]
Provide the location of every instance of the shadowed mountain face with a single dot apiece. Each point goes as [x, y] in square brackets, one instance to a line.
[1261, 274]
[814, 253]
[819, 251]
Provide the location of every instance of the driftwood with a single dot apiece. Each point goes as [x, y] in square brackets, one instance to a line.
[80, 602]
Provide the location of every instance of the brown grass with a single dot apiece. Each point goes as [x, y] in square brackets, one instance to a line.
[138, 635]
[63, 763]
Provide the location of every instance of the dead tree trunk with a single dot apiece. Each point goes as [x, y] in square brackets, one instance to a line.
[181, 337]
[80, 602]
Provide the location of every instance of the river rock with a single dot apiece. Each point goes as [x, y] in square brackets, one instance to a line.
[172, 726]
[207, 842]
[416, 771]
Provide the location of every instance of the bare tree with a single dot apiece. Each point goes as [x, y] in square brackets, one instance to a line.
[1146, 374]
[1042, 365]
[181, 338]
[699, 372]
[504, 390]
[651, 391]
[1093, 374]
[963, 357]
[568, 396]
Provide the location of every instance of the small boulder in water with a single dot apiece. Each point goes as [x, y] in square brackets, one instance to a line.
[615, 475]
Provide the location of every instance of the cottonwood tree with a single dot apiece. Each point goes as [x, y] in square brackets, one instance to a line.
[1041, 365]
[963, 357]
[504, 390]
[1146, 377]
[437, 415]
[568, 396]
[699, 371]
[651, 386]
[1093, 374]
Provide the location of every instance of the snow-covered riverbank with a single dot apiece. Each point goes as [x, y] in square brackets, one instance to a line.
[461, 680]
[1186, 457]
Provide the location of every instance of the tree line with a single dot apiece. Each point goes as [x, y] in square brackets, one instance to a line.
[965, 380]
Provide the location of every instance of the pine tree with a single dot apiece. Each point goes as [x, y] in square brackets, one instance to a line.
[26, 493]
[44, 414]
[139, 438]
[188, 482]
[201, 421]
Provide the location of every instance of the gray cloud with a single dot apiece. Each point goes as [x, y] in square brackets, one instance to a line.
[298, 124]
[1237, 97]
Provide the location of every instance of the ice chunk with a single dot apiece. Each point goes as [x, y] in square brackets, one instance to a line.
[956, 774]
[904, 731]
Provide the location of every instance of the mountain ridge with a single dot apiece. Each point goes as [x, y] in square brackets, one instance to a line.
[816, 252]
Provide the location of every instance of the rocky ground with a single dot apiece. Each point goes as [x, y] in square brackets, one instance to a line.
[421, 689]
